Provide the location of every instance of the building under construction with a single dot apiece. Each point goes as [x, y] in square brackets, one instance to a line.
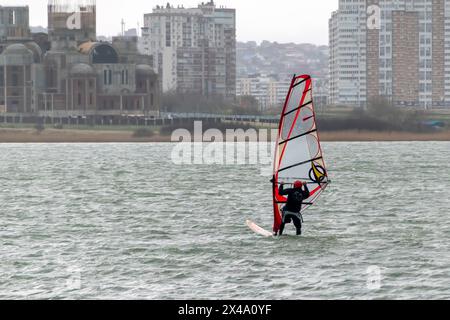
[71, 23]
[68, 72]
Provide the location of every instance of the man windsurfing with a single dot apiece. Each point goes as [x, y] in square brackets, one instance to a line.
[291, 212]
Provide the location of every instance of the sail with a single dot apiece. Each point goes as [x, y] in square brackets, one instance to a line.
[298, 154]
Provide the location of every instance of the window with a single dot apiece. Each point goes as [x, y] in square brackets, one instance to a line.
[79, 99]
[168, 34]
[15, 80]
[91, 99]
[12, 17]
[107, 77]
[52, 77]
[124, 77]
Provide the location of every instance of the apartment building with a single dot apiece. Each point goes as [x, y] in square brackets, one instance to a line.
[396, 49]
[194, 49]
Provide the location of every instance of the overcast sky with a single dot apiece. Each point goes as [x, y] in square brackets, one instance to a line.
[300, 21]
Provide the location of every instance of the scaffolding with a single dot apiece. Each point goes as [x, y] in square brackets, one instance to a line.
[60, 11]
[65, 6]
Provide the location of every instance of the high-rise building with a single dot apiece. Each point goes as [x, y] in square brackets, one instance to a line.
[194, 49]
[399, 50]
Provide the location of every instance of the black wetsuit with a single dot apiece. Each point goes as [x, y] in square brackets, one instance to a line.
[291, 212]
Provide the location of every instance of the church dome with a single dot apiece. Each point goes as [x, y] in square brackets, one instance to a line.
[82, 69]
[144, 70]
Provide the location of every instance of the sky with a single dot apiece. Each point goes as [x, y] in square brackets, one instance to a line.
[299, 21]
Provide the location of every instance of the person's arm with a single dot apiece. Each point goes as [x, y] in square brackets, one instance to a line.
[281, 189]
[306, 193]
[283, 192]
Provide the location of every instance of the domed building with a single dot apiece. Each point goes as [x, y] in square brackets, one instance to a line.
[97, 79]
[68, 73]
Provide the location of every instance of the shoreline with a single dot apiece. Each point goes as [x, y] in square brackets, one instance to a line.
[100, 136]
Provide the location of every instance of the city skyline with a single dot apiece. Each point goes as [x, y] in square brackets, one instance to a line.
[285, 15]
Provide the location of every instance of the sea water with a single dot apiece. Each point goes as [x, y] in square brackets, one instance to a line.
[122, 221]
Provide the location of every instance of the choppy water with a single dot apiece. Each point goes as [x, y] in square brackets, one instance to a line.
[120, 221]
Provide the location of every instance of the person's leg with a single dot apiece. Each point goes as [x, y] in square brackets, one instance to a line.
[283, 222]
[298, 225]
[280, 233]
[286, 220]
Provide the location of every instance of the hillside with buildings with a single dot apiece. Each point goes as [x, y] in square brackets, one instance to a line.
[281, 59]
[264, 71]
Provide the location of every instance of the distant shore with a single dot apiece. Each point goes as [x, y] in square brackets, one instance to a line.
[111, 136]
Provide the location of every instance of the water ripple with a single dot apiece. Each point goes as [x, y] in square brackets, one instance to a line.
[120, 221]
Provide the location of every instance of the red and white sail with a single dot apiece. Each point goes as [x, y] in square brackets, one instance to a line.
[298, 154]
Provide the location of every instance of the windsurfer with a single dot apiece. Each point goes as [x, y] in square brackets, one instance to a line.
[291, 212]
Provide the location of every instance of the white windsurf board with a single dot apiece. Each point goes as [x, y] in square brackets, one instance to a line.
[257, 229]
